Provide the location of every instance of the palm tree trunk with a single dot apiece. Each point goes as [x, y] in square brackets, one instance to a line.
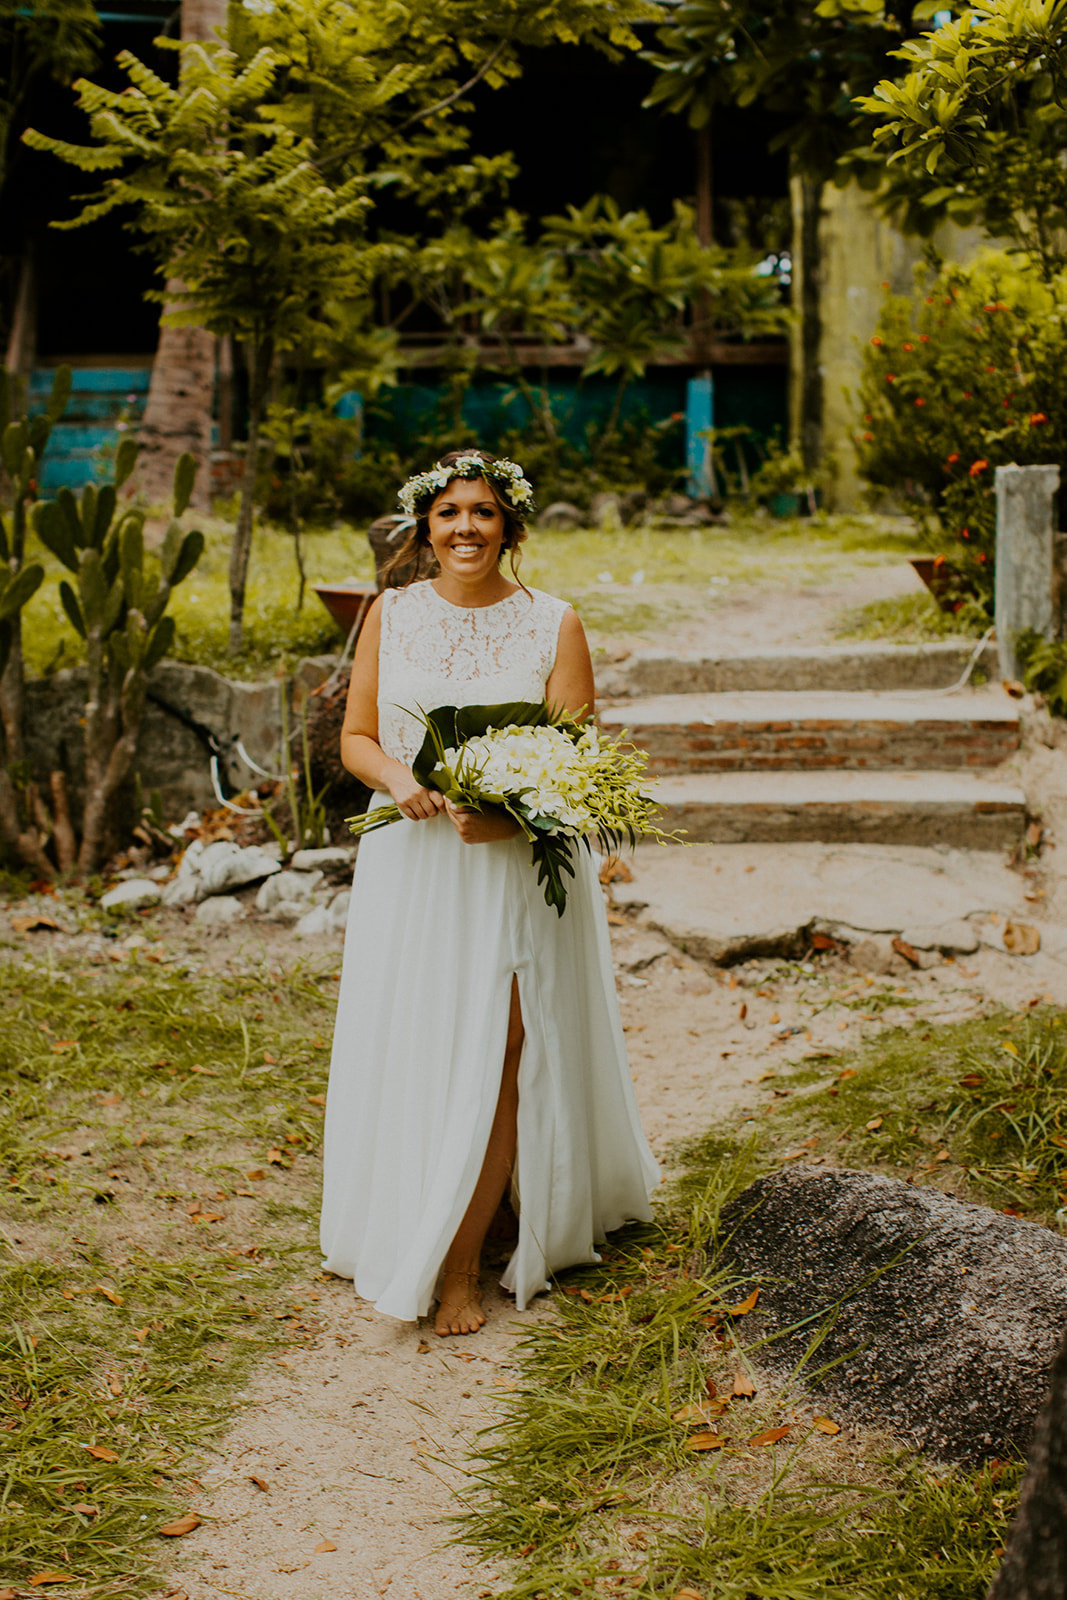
[262, 363]
[181, 393]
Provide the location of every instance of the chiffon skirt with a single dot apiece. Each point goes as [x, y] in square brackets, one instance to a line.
[437, 929]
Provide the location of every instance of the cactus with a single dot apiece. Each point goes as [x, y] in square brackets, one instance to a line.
[118, 607]
[22, 443]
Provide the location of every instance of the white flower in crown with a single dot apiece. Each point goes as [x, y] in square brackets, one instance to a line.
[507, 476]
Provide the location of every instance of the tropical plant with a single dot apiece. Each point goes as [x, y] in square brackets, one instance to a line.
[25, 824]
[975, 130]
[957, 381]
[118, 605]
[1043, 663]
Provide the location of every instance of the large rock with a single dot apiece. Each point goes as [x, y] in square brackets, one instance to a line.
[209, 869]
[133, 895]
[948, 1315]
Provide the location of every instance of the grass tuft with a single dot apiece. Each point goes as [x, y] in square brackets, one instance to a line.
[906, 618]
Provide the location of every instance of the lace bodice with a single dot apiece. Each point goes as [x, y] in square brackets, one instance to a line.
[434, 653]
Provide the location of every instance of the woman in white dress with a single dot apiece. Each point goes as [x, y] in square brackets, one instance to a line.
[478, 1042]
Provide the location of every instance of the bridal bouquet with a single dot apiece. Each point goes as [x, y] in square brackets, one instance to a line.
[559, 778]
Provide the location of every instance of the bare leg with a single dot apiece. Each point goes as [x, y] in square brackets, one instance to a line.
[459, 1309]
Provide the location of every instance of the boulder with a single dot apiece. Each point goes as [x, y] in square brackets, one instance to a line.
[314, 922]
[338, 911]
[946, 1317]
[219, 911]
[561, 514]
[293, 888]
[132, 895]
[956, 938]
[319, 860]
[208, 869]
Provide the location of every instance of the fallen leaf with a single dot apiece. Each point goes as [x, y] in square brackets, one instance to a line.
[254, 1177]
[688, 1594]
[943, 1155]
[771, 1436]
[1013, 687]
[743, 1013]
[824, 1425]
[822, 941]
[316, 1099]
[51, 1577]
[207, 1072]
[140, 1334]
[268, 1059]
[694, 1413]
[710, 1389]
[186, 1524]
[849, 1072]
[27, 924]
[322, 1546]
[1021, 939]
[260, 1483]
[745, 1307]
[615, 870]
[875, 1122]
[101, 1452]
[65, 1044]
[973, 1080]
[775, 1018]
[422, 1348]
[114, 1383]
[706, 1441]
[208, 1216]
[275, 1157]
[743, 1385]
[908, 951]
[8, 1594]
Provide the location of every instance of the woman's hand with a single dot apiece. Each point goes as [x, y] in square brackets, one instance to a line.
[412, 800]
[481, 827]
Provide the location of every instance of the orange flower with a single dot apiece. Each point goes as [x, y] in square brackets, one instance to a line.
[929, 299]
[976, 467]
[1037, 418]
[966, 394]
[991, 369]
[877, 341]
[924, 338]
[868, 438]
[920, 401]
[983, 558]
[953, 458]
[890, 377]
[885, 286]
[965, 533]
[867, 417]
[908, 347]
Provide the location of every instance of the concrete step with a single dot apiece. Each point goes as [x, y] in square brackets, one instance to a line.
[689, 733]
[936, 665]
[962, 809]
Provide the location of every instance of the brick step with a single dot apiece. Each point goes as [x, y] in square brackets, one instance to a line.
[875, 666]
[689, 733]
[961, 809]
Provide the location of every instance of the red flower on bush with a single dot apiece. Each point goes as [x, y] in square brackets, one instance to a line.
[976, 467]
[868, 438]
[983, 558]
[1037, 418]
[991, 369]
[919, 401]
[1007, 400]
[953, 458]
[890, 377]
[924, 338]
[965, 533]
[908, 347]
[877, 341]
[966, 394]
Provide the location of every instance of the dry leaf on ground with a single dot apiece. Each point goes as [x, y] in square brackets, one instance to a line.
[747, 1305]
[743, 1385]
[908, 951]
[1021, 939]
[109, 1294]
[706, 1441]
[322, 1547]
[825, 1425]
[51, 1577]
[770, 1436]
[101, 1452]
[260, 1483]
[27, 924]
[186, 1524]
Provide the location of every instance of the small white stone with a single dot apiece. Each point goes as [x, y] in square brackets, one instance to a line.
[308, 860]
[131, 895]
[219, 911]
[314, 922]
[287, 886]
[338, 910]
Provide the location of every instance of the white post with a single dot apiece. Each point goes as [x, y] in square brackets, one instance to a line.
[1026, 557]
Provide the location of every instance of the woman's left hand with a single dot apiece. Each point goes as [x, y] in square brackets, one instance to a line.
[481, 827]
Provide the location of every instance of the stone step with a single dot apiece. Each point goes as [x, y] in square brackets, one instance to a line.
[689, 733]
[961, 809]
[936, 665]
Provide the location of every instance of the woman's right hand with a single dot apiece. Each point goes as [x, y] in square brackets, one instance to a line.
[412, 800]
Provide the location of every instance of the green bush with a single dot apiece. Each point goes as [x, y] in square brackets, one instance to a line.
[1044, 668]
[956, 382]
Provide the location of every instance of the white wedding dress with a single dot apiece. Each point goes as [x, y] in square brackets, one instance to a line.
[436, 930]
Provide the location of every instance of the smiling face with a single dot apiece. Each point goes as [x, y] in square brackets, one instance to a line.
[466, 530]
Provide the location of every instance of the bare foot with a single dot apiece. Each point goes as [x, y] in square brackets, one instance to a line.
[459, 1310]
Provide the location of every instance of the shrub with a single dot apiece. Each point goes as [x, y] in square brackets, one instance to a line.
[956, 382]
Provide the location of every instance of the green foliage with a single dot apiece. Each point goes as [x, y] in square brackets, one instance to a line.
[117, 605]
[914, 616]
[975, 131]
[804, 60]
[40, 39]
[1044, 668]
[956, 382]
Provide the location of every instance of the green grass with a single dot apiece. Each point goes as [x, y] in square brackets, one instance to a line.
[980, 1106]
[906, 618]
[589, 1482]
[681, 564]
[139, 1286]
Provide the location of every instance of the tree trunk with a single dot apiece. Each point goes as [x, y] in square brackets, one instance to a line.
[1035, 1561]
[182, 390]
[806, 380]
[262, 362]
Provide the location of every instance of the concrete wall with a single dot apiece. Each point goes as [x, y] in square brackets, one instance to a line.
[859, 251]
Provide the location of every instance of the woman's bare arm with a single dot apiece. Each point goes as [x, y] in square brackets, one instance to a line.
[570, 684]
[360, 751]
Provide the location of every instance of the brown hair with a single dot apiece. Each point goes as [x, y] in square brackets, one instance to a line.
[415, 549]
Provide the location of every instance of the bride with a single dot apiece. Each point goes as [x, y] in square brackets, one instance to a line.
[478, 1043]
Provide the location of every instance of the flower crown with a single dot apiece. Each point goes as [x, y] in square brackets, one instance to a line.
[506, 477]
